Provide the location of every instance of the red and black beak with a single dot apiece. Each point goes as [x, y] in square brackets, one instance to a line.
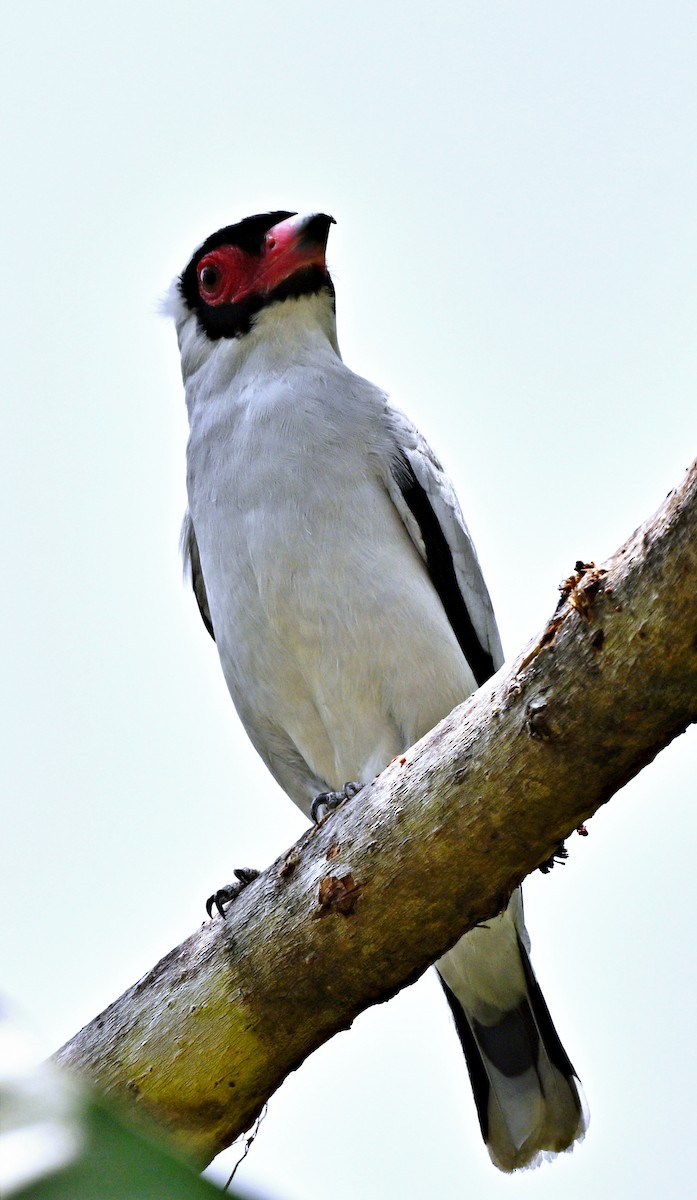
[293, 245]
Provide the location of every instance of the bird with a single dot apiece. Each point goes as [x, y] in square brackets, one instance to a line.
[322, 535]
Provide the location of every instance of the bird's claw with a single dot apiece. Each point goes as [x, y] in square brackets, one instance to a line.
[231, 891]
[326, 802]
[560, 855]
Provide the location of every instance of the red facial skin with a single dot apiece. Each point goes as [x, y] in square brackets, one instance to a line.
[228, 274]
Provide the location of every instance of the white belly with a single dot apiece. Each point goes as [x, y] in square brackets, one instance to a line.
[329, 630]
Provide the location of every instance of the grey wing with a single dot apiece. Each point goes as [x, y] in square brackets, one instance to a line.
[192, 567]
[426, 501]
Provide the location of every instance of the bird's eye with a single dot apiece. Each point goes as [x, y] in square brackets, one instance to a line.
[220, 273]
[209, 277]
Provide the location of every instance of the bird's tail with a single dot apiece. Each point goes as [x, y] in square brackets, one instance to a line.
[529, 1101]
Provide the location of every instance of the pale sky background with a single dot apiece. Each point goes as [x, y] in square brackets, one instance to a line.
[515, 256]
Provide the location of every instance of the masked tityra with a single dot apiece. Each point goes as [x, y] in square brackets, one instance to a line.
[323, 537]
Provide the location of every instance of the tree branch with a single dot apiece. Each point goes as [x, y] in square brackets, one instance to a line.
[363, 903]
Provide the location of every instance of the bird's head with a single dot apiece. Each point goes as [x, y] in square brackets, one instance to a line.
[245, 269]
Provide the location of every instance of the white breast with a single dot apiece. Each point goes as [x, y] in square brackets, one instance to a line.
[328, 627]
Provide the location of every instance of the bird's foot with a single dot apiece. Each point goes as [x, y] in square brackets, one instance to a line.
[560, 855]
[326, 802]
[231, 891]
